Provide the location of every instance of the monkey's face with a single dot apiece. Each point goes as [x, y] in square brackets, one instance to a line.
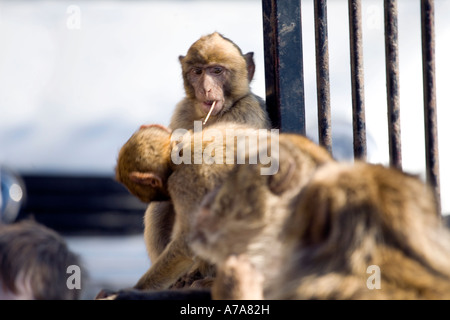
[214, 70]
[209, 84]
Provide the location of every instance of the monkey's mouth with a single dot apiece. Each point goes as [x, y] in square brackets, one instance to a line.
[206, 106]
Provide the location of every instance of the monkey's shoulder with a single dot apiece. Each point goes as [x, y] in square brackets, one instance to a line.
[250, 110]
[184, 115]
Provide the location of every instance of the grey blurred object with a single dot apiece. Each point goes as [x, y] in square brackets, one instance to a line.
[446, 218]
[12, 195]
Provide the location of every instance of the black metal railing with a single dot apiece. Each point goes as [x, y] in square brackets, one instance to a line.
[285, 101]
[429, 93]
[322, 74]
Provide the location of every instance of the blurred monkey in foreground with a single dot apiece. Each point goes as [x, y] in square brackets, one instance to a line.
[357, 231]
[246, 214]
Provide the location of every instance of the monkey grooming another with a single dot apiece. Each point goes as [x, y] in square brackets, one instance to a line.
[217, 80]
[247, 213]
[217, 77]
[359, 231]
[146, 167]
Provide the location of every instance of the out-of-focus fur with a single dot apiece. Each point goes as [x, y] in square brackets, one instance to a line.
[246, 214]
[350, 217]
[345, 225]
[146, 168]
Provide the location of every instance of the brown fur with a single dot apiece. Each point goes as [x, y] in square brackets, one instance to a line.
[350, 217]
[159, 219]
[230, 88]
[238, 279]
[347, 218]
[136, 157]
[240, 106]
[246, 214]
[147, 155]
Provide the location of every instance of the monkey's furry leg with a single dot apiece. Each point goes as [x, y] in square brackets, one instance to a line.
[172, 264]
[158, 221]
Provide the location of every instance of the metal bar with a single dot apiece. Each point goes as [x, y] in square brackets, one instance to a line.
[283, 52]
[270, 58]
[429, 88]
[356, 59]
[322, 73]
[392, 81]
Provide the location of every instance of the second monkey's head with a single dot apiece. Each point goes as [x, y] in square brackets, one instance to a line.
[214, 69]
[143, 164]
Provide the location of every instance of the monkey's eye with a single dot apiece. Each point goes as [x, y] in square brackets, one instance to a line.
[197, 71]
[217, 70]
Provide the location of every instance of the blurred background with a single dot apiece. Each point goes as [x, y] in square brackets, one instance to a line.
[77, 78]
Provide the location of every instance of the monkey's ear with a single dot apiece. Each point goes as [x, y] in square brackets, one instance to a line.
[250, 65]
[280, 182]
[181, 58]
[146, 178]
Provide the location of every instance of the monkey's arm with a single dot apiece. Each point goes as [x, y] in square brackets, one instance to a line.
[158, 221]
[173, 263]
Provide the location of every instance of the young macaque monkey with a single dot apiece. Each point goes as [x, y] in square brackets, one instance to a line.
[357, 231]
[148, 165]
[246, 214]
[217, 80]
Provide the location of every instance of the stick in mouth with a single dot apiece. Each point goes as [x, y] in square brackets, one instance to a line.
[209, 113]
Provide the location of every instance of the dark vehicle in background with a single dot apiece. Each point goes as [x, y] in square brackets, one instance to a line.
[82, 204]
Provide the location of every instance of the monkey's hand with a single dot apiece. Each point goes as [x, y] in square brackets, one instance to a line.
[105, 294]
[187, 280]
[237, 279]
